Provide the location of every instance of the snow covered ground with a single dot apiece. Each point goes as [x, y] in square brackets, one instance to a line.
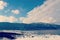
[35, 35]
[41, 37]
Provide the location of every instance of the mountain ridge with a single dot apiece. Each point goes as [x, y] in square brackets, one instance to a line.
[32, 26]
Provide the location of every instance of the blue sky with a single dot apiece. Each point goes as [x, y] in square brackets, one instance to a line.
[30, 11]
[23, 6]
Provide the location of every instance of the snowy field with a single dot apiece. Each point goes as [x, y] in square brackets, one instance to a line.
[42, 37]
[35, 35]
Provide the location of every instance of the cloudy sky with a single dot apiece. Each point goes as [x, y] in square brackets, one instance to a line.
[30, 11]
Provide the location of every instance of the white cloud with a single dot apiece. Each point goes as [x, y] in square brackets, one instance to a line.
[7, 19]
[15, 11]
[43, 13]
[3, 18]
[12, 19]
[2, 5]
[47, 20]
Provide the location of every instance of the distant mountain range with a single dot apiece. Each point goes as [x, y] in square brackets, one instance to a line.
[32, 26]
